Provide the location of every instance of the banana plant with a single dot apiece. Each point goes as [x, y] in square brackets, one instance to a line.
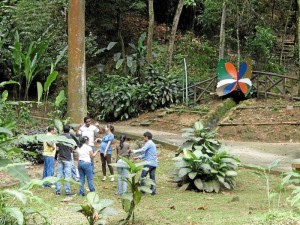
[137, 186]
[50, 78]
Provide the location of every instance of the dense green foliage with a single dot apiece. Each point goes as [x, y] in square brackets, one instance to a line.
[123, 97]
[204, 165]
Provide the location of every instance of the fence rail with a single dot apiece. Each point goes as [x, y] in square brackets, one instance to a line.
[264, 84]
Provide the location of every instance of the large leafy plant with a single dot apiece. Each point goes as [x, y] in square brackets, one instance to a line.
[136, 185]
[97, 210]
[204, 165]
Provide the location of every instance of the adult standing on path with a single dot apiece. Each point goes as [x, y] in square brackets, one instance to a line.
[49, 157]
[150, 156]
[85, 156]
[64, 162]
[106, 151]
[90, 131]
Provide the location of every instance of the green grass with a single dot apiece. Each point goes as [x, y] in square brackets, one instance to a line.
[171, 206]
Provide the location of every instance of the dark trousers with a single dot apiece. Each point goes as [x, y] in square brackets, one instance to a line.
[151, 171]
[104, 161]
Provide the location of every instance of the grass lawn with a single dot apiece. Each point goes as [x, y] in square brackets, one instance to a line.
[246, 204]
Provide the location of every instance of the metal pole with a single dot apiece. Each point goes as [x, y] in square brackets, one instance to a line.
[186, 83]
[183, 85]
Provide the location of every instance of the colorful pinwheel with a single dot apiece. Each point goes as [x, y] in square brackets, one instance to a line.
[231, 80]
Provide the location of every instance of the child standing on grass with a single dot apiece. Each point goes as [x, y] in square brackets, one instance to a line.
[122, 150]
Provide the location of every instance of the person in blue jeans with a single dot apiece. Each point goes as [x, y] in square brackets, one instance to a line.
[106, 150]
[150, 156]
[122, 150]
[64, 162]
[85, 156]
[49, 152]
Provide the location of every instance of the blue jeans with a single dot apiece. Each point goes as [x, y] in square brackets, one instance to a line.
[122, 172]
[73, 169]
[151, 171]
[93, 165]
[85, 169]
[64, 171]
[49, 164]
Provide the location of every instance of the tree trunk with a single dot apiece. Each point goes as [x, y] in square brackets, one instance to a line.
[120, 37]
[298, 31]
[77, 103]
[222, 32]
[150, 31]
[173, 33]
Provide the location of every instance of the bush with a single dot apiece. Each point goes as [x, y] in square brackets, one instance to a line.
[204, 165]
[124, 97]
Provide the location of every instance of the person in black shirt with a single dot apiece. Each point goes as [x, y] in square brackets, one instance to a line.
[64, 162]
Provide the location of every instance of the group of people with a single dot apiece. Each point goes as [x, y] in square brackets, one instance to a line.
[86, 153]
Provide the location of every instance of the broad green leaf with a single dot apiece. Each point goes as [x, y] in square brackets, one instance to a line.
[59, 125]
[61, 55]
[198, 183]
[126, 205]
[39, 90]
[198, 126]
[5, 131]
[111, 45]
[231, 173]
[4, 96]
[15, 213]
[117, 56]
[184, 171]
[52, 77]
[216, 185]
[119, 63]
[93, 198]
[184, 187]
[2, 84]
[60, 98]
[208, 186]
[137, 197]
[145, 189]
[17, 194]
[192, 175]
[129, 61]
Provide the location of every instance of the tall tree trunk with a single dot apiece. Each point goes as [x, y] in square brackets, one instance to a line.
[222, 32]
[77, 103]
[298, 31]
[150, 31]
[173, 33]
[120, 37]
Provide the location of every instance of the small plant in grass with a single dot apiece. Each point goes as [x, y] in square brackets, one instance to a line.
[97, 210]
[204, 165]
[265, 174]
[137, 187]
[293, 177]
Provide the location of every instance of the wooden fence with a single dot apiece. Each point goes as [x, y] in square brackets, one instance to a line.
[264, 84]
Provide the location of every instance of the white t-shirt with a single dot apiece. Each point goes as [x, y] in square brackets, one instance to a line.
[84, 153]
[90, 132]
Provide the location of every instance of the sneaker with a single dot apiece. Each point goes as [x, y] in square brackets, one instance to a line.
[57, 193]
[153, 193]
[82, 195]
[70, 194]
[112, 179]
[53, 186]
[104, 178]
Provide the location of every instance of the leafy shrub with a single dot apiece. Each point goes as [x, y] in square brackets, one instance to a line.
[204, 165]
[124, 97]
[159, 90]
